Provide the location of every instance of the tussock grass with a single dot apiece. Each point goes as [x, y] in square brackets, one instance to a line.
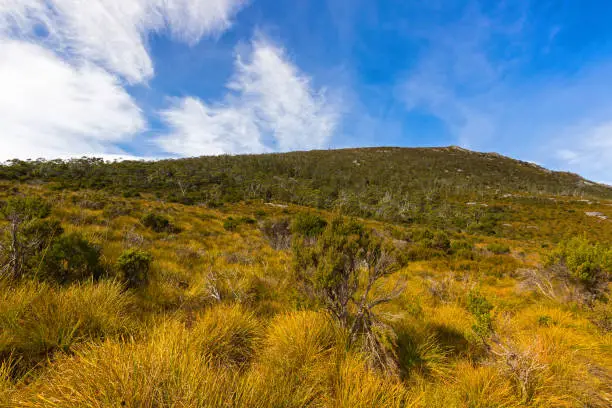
[225, 323]
[37, 319]
[7, 388]
[357, 386]
[162, 371]
[227, 335]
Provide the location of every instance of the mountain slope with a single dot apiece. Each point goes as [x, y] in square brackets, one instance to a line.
[367, 176]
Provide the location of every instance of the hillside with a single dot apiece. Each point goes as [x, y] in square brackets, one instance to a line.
[360, 178]
[379, 277]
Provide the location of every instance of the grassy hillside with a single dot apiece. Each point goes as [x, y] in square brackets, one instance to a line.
[450, 288]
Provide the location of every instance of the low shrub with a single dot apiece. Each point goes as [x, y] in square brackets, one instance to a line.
[231, 224]
[480, 308]
[308, 225]
[70, 258]
[134, 266]
[587, 262]
[460, 245]
[498, 249]
[158, 223]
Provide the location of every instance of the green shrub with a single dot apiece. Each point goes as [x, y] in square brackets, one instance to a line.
[25, 208]
[247, 220]
[420, 234]
[480, 308]
[587, 262]
[441, 241]
[27, 234]
[158, 223]
[231, 224]
[70, 258]
[308, 225]
[134, 266]
[419, 252]
[498, 249]
[458, 245]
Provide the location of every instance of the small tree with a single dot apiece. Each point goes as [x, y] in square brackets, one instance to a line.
[341, 269]
[134, 266]
[27, 234]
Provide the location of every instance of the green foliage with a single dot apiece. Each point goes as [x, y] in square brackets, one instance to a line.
[341, 269]
[156, 222]
[134, 266]
[308, 225]
[441, 241]
[458, 245]
[545, 321]
[334, 258]
[25, 209]
[70, 258]
[231, 224]
[498, 249]
[27, 234]
[480, 308]
[586, 261]
[247, 220]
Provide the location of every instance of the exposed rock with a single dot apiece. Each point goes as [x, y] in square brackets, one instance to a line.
[277, 205]
[597, 214]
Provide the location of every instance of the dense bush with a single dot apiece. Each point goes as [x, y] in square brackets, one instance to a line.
[70, 258]
[340, 269]
[586, 261]
[158, 223]
[134, 266]
[441, 241]
[308, 225]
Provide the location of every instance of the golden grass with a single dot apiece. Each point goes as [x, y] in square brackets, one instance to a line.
[222, 324]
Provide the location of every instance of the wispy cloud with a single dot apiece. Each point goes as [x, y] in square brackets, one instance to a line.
[49, 108]
[113, 33]
[64, 64]
[270, 105]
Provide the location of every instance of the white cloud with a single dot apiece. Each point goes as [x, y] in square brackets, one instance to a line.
[63, 65]
[49, 108]
[113, 33]
[200, 129]
[270, 105]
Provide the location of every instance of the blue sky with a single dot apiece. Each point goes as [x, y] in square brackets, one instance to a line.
[174, 78]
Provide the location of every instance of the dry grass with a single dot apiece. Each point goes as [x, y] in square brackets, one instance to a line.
[224, 324]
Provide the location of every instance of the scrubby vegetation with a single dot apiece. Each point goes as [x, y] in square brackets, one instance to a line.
[361, 285]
